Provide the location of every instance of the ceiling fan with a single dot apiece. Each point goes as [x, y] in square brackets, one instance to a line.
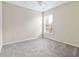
[42, 4]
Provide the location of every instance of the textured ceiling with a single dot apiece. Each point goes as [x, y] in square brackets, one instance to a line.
[34, 5]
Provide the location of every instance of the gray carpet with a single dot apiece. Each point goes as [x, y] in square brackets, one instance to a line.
[39, 48]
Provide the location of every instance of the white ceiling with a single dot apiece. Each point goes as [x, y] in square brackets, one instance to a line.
[34, 5]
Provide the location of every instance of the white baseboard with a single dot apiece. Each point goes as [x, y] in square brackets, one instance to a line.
[75, 45]
[27, 39]
[38, 38]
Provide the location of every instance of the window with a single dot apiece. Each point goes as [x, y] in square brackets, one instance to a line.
[48, 24]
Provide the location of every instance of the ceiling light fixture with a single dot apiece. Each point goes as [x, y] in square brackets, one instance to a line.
[42, 4]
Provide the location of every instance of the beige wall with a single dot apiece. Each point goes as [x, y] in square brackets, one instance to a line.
[66, 23]
[0, 25]
[20, 23]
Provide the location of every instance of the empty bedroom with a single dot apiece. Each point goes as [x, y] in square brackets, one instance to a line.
[39, 28]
